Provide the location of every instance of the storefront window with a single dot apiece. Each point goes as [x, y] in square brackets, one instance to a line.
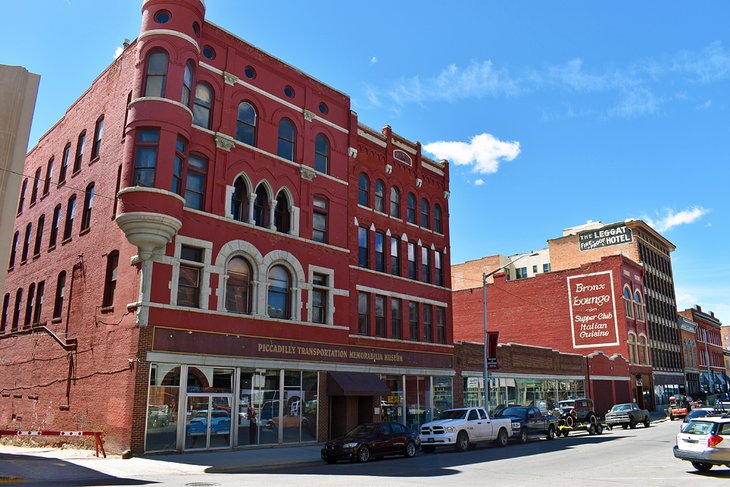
[247, 410]
[292, 413]
[209, 379]
[391, 406]
[443, 397]
[309, 406]
[541, 393]
[269, 407]
[162, 407]
[418, 393]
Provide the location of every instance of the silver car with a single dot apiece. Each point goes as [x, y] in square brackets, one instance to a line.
[705, 442]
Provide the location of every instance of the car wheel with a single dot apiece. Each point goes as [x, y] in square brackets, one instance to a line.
[625, 426]
[428, 449]
[502, 438]
[550, 433]
[591, 429]
[410, 450]
[523, 436]
[671, 418]
[701, 466]
[632, 424]
[646, 422]
[599, 429]
[592, 419]
[363, 454]
[565, 433]
[462, 441]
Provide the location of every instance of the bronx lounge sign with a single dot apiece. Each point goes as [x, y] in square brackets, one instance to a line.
[593, 310]
[604, 237]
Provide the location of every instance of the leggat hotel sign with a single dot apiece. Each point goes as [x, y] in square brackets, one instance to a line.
[593, 310]
[604, 237]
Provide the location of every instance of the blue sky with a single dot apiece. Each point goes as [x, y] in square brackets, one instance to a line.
[552, 112]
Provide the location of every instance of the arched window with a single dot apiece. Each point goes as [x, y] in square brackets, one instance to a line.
[628, 302]
[195, 181]
[394, 202]
[321, 154]
[154, 84]
[246, 123]
[411, 210]
[4, 315]
[88, 203]
[64, 164]
[60, 293]
[238, 286]
[202, 105]
[239, 200]
[631, 342]
[425, 214]
[29, 305]
[55, 224]
[643, 350]
[261, 207]
[319, 219]
[279, 293]
[380, 196]
[187, 84]
[39, 235]
[363, 190]
[282, 214]
[110, 280]
[287, 136]
[16, 309]
[26, 242]
[21, 199]
[36, 184]
[639, 305]
[98, 135]
[70, 210]
[13, 250]
[437, 225]
[80, 144]
[49, 175]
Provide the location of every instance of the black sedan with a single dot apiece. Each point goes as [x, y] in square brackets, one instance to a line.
[372, 440]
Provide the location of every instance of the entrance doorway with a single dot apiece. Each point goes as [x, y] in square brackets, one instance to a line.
[208, 421]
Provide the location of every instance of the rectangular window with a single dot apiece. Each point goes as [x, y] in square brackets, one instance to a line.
[188, 284]
[36, 185]
[396, 318]
[413, 320]
[534, 269]
[546, 267]
[438, 258]
[60, 293]
[440, 325]
[195, 182]
[425, 265]
[319, 298]
[395, 256]
[380, 316]
[110, 280]
[319, 220]
[427, 323]
[379, 252]
[178, 166]
[362, 247]
[145, 158]
[70, 212]
[55, 222]
[363, 313]
[521, 273]
[412, 274]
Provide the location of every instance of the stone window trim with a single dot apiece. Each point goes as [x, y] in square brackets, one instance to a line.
[331, 292]
[205, 266]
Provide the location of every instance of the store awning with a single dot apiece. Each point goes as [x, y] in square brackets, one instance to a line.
[355, 384]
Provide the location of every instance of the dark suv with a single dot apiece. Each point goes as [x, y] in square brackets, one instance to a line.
[572, 411]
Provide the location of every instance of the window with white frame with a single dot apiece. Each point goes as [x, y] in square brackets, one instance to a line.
[189, 278]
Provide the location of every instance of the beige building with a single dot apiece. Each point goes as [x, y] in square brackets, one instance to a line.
[518, 266]
[18, 90]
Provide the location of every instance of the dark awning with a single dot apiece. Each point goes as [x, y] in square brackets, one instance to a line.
[355, 384]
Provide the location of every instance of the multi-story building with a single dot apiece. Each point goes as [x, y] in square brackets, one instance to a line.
[641, 243]
[595, 309]
[219, 255]
[725, 332]
[519, 266]
[688, 334]
[18, 89]
[710, 353]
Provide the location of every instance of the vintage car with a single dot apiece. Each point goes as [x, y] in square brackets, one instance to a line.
[627, 415]
[705, 442]
[572, 411]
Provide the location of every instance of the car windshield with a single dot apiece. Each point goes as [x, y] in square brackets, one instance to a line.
[453, 414]
[566, 404]
[362, 430]
[519, 412]
[621, 407]
[698, 428]
[697, 413]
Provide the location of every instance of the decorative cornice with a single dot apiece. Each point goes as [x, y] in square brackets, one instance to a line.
[308, 116]
[230, 79]
[388, 169]
[224, 142]
[307, 173]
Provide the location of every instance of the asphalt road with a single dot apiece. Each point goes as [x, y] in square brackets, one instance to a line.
[640, 457]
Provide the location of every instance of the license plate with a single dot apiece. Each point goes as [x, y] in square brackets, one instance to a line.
[430, 440]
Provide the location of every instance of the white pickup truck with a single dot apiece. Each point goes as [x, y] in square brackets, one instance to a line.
[462, 428]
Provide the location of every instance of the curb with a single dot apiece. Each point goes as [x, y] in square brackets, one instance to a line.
[239, 468]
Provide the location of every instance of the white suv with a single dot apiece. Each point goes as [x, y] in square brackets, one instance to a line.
[705, 442]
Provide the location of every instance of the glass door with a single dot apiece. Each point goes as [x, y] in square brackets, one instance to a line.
[208, 421]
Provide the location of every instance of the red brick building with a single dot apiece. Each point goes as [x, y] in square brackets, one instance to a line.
[713, 378]
[217, 254]
[596, 307]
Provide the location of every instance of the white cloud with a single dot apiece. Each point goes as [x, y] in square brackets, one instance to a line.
[672, 219]
[118, 52]
[483, 152]
[704, 106]
[479, 182]
[374, 59]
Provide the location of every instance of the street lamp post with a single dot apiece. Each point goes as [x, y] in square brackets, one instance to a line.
[485, 276]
